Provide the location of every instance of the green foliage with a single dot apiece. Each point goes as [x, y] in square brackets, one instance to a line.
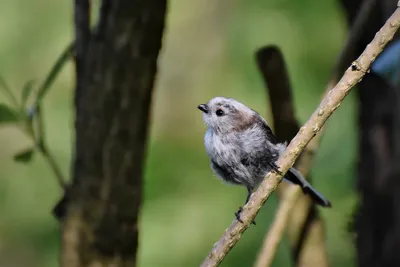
[4, 85]
[7, 91]
[24, 156]
[8, 115]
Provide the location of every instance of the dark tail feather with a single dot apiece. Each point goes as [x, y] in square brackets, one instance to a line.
[297, 178]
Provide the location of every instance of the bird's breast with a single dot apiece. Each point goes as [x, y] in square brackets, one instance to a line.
[221, 147]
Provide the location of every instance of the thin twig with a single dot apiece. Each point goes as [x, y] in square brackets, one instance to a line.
[329, 104]
[275, 233]
[38, 139]
[43, 148]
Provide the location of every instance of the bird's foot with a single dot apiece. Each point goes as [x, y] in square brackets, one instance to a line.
[237, 214]
[276, 169]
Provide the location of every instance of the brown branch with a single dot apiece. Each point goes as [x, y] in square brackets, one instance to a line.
[329, 104]
[299, 222]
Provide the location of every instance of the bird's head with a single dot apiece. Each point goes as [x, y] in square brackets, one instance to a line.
[224, 115]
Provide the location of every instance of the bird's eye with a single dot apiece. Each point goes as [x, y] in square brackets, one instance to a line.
[219, 112]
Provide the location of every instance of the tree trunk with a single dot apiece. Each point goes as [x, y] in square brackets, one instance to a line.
[116, 67]
[377, 219]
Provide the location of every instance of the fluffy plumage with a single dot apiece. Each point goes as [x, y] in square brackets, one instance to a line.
[242, 147]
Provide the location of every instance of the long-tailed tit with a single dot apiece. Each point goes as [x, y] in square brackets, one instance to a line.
[243, 149]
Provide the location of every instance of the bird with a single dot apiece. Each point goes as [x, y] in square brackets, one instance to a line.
[242, 148]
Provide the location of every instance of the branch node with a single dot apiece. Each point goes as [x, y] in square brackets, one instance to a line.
[355, 66]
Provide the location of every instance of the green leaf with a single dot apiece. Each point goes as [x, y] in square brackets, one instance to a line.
[7, 90]
[8, 115]
[26, 91]
[3, 84]
[55, 70]
[24, 156]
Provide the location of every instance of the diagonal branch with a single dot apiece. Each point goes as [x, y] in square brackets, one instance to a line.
[329, 104]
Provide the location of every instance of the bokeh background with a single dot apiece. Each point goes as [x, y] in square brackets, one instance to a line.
[208, 51]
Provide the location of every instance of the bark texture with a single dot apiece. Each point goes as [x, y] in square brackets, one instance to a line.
[116, 70]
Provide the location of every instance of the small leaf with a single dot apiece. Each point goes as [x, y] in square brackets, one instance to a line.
[26, 91]
[7, 90]
[3, 84]
[64, 57]
[24, 156]
[8, 115]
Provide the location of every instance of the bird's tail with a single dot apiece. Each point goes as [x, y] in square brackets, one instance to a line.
[297, 178]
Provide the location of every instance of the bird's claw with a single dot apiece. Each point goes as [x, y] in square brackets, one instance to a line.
[237, 214]
[276, 169]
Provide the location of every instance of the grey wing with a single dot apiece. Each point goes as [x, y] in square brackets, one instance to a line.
[259, 153]
[266, 129]
[262, 141]
[224, 172]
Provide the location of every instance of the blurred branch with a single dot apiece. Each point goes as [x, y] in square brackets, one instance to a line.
[375, 227]
[354, 36]
[305, 228]
[329, 104]
[271, 64]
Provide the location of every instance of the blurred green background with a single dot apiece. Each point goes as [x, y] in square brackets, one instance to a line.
[208, 51]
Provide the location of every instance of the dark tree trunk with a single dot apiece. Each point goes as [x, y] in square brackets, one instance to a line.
[116, 67]
[377, 219]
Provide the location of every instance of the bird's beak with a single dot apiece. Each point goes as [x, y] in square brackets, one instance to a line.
[203, 107]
